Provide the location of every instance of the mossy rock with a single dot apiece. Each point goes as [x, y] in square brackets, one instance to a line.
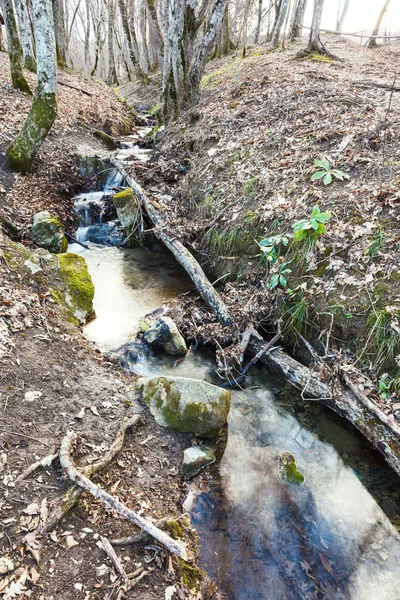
[48, 232]
[128, 210]
[186, 405]
[288, 471]
[79, 288]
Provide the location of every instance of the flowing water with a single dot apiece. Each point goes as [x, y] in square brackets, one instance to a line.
[331, 538]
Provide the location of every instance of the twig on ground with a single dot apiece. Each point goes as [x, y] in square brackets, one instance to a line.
[43, 462]
[109, 550]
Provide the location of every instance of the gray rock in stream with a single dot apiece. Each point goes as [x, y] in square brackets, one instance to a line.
[196, 458]
[164, 334]
[186, 405]
[48, 232]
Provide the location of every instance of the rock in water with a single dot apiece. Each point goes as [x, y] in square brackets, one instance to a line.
[79, 288]
[196, 458]
[186, 405]
[128, 211]
[288, 470]
[165, 335]
[48, 232]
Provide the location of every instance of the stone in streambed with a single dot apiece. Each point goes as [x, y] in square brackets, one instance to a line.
[164, 335]
[78, 286]
[196, 458]
[48, 232]
[128, 210]
[288, 471]
[186, 405]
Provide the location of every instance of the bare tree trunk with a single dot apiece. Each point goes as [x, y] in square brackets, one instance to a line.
[296, 24]
[60, 33]
[14, 48]
[339, 25]
[259, 19]
[2, 49]
[278, 24]
[25, 34]
[131, 39]
[112, 73]
[44, 107]
[372, 42]
[87, 36]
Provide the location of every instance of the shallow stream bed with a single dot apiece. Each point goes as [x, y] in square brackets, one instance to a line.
[332, 538]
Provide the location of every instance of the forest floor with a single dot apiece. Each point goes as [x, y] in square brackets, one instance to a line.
[52, 380]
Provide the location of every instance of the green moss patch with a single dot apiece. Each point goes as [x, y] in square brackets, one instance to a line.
[79, 288]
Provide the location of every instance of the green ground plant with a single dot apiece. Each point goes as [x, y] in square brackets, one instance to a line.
[326, 173]
[310, 230]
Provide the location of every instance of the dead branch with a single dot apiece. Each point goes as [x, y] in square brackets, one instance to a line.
[140, 538]
[73, 87]
[376, 84]
[181, 253]
[260, 354]
[43, 462]
[130, 584]
[109, 550]
[66, 463]
[63, 503]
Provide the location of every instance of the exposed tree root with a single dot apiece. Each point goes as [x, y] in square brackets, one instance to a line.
[43, 462]
[63, 503]
[66, 463]
[316, 52]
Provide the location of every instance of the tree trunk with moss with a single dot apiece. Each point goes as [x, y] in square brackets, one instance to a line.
[187, 46]
[112, 73]
[278, 24]
[130, 36]
[25, 34]
[372, 42]
[14, 48]
[44, 107]
[60, 33]
[315, 45]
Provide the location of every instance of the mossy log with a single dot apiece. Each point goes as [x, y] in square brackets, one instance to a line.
[182, 254]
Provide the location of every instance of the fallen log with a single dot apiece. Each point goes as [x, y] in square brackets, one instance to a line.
[107, 499]
[181, 253]
[343, 398]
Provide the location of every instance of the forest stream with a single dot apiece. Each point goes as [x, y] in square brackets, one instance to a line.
[334, 537]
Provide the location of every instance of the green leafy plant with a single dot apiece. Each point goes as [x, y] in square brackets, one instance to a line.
[326, 173]
[377, 242]
[270, 247]
[384, 386]
[311, 229]
[280, 277]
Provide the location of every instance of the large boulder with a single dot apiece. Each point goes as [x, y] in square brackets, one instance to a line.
[48, 232]
[79, 288]
[164, 335]
[186, 405]
[128, 210]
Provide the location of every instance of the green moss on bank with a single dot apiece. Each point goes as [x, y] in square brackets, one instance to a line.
[79, 291]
